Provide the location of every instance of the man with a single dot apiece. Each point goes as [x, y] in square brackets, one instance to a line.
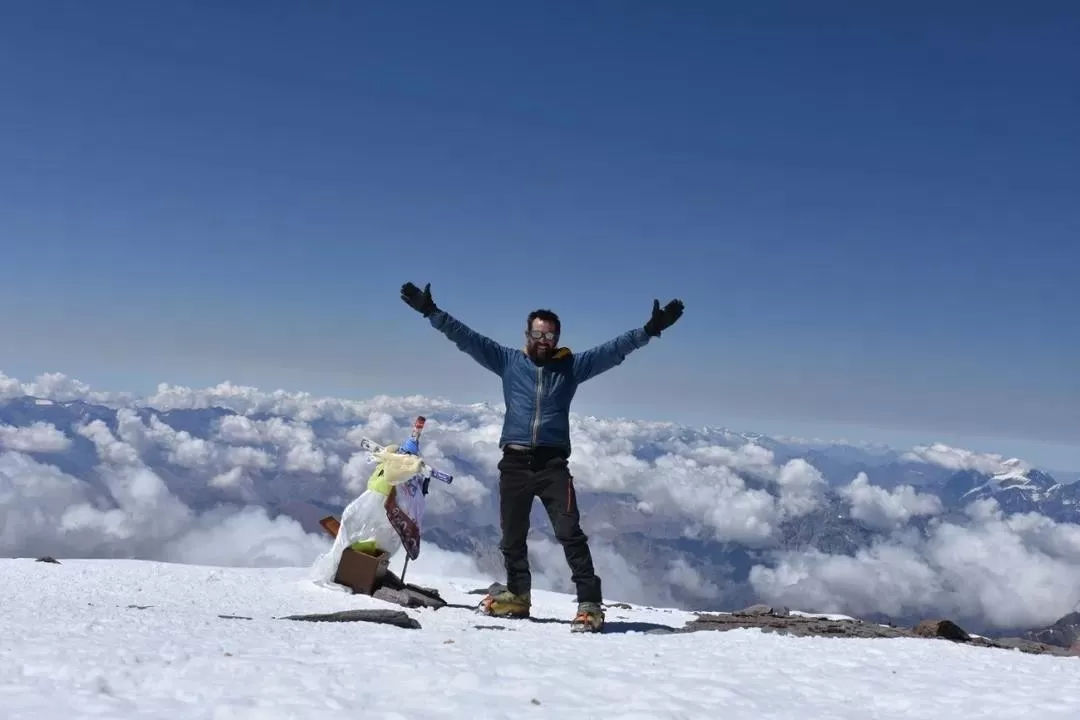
[539, 383]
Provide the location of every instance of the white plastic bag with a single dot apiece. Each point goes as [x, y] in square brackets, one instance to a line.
[364, 520]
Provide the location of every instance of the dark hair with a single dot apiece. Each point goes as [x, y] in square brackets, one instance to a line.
[546, 315]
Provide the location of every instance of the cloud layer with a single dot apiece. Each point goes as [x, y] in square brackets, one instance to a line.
[1006, 571]
[233, 475]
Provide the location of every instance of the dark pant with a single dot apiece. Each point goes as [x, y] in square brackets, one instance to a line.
[542, 473]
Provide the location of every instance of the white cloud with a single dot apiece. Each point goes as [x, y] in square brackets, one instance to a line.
[10, 388]
[682, 574]
[248, 538]
[620, 580]
[132, 514]
[801, 487]
[59, 388]
[1013, 571]
[887, 510]
[39, 437]
[960, 459]
[705, 483]
[161, 492]
[437, 562]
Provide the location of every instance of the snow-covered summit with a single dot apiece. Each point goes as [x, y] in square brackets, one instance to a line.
[127, 638]
[1017, 476]
[1016, 473]
[1011, 469]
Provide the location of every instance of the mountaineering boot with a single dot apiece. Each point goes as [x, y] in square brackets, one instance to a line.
[506, 604]
[589, 618]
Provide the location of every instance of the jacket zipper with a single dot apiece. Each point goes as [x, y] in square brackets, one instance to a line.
[536, 415]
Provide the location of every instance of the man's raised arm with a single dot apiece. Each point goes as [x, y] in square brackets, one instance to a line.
[604, 357]
[480, 348]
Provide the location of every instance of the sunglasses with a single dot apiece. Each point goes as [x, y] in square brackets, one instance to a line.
[536, 335]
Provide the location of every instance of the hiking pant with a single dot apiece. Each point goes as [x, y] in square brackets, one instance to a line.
[544, 473]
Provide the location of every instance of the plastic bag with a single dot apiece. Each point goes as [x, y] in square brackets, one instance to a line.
[364, 522]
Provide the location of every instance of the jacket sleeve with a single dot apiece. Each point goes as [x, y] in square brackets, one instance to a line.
[603, 357]
[480, 348]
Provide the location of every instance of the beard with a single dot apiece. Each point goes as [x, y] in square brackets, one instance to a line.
[540, 353]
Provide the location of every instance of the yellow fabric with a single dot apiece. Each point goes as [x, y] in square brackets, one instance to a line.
[393, 469]
[371, 547]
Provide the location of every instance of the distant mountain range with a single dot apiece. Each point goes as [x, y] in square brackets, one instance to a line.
[670, 554]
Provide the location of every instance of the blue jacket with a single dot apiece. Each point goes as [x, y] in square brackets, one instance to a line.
[537, 397]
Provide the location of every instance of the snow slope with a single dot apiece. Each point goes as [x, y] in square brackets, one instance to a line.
[140, 639]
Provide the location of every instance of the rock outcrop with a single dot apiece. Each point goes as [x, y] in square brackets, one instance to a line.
[385, 617]
[781, 620]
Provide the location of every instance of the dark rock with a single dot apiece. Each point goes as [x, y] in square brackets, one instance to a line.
[1024, 645]
[810, 626]
[399, 597]
[386, 617]
[762, 609]
[423, 597]
[48, 559]
[392, 589]
[791, 625]
[941, 629]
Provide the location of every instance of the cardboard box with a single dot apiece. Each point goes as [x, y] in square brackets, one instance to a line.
[362, 572]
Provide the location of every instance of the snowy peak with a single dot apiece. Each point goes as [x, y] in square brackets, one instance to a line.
[1012, 468]
[1017, 474]
[1033, 482]
[1016, 487]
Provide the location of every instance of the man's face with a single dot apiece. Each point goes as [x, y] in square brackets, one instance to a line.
[541, 339]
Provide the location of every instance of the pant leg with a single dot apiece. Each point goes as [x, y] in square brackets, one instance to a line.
[555, 486]
[515, 504]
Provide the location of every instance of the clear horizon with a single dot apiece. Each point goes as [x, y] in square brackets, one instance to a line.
[870, 213]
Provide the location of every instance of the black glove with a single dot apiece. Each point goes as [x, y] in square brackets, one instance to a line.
[664, 318]
[419, 300]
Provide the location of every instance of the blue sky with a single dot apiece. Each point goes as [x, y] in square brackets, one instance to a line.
[870, 213]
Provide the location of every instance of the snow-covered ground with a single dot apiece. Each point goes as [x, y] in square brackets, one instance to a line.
[127, 639]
